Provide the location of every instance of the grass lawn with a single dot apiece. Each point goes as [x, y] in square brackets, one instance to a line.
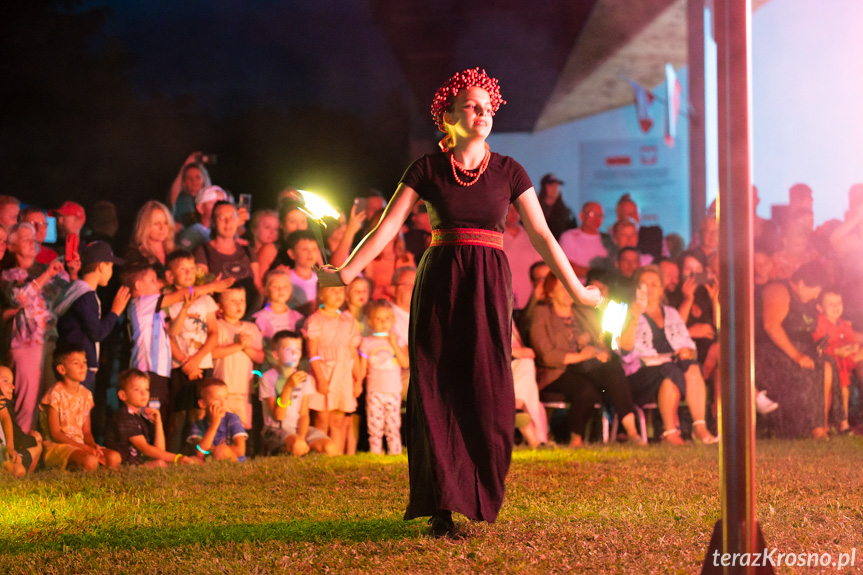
[597, 510]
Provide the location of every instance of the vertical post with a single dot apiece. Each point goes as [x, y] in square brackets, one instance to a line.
[737, 532]
[697, 116]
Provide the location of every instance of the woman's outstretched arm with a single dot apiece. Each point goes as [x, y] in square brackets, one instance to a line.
[391, 222]
[544, 243]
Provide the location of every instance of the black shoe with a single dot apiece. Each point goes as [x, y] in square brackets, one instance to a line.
[441, 525]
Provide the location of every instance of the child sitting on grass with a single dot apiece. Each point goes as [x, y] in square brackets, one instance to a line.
[239, 348]
[220, 433]
[65, 417]
[842, 346]
[382, 357]
[22, 450]
[136, 431]
[285, 393]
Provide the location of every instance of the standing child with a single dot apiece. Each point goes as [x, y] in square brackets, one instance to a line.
[382, 357]
[239, 348]
[220, 433]
[22, 449]
[276, 315]
[194, 332]
[65, 417]
[79, 311]
[333, 340]
[285, 392]
[842, 346]
[303, 249]
[136, 431]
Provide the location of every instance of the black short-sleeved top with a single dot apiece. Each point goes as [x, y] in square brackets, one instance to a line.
[125, 425]
[482, 205]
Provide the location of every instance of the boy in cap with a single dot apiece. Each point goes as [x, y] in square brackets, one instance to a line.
[79, 311]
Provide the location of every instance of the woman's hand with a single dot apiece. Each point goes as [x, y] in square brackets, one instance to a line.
[702, 331]
[687, 288]
[590, 296]
[805, 361]
[523, 353]
[329, 276]
[686, 353]
[356, 220]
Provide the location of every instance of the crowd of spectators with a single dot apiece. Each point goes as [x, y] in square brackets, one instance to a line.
[209, 338]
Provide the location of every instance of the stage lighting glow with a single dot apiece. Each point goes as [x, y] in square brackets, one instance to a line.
[316, 207]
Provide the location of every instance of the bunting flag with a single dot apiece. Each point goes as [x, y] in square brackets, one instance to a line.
[672, 104]
[643, 100]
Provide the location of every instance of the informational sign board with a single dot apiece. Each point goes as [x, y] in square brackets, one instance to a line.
[645, 169]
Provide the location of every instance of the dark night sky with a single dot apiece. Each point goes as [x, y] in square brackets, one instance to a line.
[235, 54]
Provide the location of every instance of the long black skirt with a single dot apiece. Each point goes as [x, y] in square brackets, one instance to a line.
[461, 401]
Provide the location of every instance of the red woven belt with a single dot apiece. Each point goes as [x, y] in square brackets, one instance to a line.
[467, 237]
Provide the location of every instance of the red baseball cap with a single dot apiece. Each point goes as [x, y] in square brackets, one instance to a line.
[70, 209]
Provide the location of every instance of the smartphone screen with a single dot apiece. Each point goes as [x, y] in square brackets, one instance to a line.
[51, 233]
[246, 202]
[360, 204]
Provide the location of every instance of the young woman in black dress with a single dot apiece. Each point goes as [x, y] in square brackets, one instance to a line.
[461, 404]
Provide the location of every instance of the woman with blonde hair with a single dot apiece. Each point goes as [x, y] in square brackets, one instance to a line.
[153, 237]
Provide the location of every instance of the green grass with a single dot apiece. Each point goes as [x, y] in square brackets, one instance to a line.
[597, 510]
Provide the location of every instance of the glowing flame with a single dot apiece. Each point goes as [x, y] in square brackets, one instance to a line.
[613, 320]
[316, 207]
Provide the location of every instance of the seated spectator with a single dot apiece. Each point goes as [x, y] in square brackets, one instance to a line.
[136, 431]
[224, 256]
[527, 399]
[192, 178]
[65, 417]
[847, 243]
[696, 301]
[623, 284]
[199, 232]
[650, 238]
[670, 279]
[797, 248]
[152, 238]
[538, 271]
[23, 450]
[586, 246]
[285, 392]
[29, 294]
[521, 254]
[556, 212]
[624, 234]
[220, 433]
[842, 347]
[708, 237]
[573, 362]
[765, 231]
[660, 359]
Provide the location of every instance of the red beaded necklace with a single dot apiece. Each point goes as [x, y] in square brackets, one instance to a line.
[457, 167]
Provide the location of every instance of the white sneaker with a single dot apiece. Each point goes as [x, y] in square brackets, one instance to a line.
[764, 404]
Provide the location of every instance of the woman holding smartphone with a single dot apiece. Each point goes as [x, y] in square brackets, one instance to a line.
[461, 404]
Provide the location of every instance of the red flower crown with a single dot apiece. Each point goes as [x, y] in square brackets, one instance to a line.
[467, 79]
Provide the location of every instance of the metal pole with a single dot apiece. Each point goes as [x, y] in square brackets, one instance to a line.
[738, 528]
